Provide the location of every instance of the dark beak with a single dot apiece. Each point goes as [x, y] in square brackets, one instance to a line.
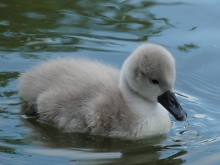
[169, 101]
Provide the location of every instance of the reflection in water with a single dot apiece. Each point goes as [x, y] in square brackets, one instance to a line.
[50, 24]
[5, 93]
[7, 77]
[82, 147]
[187, 47]
[6, 149]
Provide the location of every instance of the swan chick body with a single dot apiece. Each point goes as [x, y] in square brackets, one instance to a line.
[80, 95]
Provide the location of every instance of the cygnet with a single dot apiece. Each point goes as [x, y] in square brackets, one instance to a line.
[82, 95]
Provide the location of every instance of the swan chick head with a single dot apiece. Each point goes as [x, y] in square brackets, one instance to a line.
[149, 72]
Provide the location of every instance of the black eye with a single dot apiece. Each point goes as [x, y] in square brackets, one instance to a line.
[155, 81]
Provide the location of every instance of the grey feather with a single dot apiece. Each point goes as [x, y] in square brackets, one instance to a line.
[81, 95]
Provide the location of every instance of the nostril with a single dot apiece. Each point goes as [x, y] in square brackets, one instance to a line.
[172, 102]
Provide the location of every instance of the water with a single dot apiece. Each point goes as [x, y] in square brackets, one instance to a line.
[33, 31]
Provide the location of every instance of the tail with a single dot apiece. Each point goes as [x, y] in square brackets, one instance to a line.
[32, 111]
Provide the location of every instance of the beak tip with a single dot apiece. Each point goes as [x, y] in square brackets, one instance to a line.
[182, 117]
